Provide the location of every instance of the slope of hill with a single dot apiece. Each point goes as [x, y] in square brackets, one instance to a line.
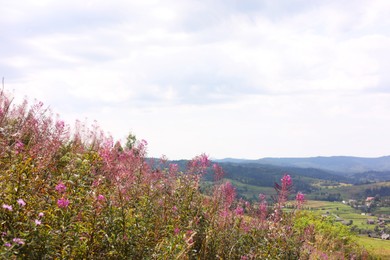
[342, 164]
[336, 164]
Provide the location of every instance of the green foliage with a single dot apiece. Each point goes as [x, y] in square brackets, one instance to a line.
[84, 197]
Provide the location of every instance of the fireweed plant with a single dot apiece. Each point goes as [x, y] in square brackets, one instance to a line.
[81, 195]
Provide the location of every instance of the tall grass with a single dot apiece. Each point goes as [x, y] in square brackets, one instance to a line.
[81, 195]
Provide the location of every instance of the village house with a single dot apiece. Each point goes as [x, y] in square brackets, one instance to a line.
[385, 236]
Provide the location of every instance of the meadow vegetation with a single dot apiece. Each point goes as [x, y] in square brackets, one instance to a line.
[78, 194]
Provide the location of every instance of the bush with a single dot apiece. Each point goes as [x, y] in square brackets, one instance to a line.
[82, 195]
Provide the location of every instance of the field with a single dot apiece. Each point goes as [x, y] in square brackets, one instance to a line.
[378, 247]
[252, 191]
[342, 212]
[350, 191]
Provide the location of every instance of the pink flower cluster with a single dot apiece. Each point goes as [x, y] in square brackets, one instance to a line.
[61, 188]
[63, 203]
[300, 198]
[286, 181]
[21, 202]
[7, 207]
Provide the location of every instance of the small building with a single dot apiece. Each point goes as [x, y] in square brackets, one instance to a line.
[369, 199]
[385, 236]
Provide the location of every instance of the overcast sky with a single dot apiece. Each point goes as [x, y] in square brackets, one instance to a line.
[243, 79]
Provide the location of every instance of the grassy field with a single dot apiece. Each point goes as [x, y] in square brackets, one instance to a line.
[378, 247]
[342, 211]
[252, 191]
[351, 191]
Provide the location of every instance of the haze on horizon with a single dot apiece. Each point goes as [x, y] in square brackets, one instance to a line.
[240, 79]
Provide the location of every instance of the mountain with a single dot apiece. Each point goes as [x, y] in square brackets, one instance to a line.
[338, 164]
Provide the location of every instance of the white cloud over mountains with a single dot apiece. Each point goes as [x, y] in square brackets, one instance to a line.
[229, 78]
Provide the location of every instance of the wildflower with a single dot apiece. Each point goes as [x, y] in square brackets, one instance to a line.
[19, 146]
[21, 202]
[174, 208]
[173, 168]
[286, 181]
[218, 172]
[7, 244]
[60, 124]
[263, 208]
[7, 207]
[229, 193]
[239, 211]
[100, 197]
[177, 231]
[18, 241]
[37, 222]
[224, 213]
[300, 198]
[63, 203]
[41, 214]
[61, 188]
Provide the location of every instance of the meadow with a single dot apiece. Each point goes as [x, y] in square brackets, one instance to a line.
[78, 194]
[377, 247]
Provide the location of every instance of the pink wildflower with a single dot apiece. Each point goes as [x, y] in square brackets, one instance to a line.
[174, 208]
[286, 181]
[177, 231]
[63, 203]
[60, 124]
[228, 193]
[7, 244]
[100, 197]
[218, 172]
[239, 211]
[224, 213]
[173, 168]
[61, 188]
[300, 198]
[41, 214]
[19, 146]
[7, 207]
[37, 222]
[21, 202]
[18, 241]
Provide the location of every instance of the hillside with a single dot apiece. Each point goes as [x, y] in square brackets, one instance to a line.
[81, 195]
[252, 178]
[337, 164]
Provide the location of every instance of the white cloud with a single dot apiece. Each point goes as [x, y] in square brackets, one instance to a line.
[230, 78]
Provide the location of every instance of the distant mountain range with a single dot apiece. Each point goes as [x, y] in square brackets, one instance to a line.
[322, 178]
[345, 165]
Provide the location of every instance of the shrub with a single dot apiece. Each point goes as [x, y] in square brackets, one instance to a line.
[82, 195]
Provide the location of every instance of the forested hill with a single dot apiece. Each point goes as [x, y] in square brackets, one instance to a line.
[338, 164]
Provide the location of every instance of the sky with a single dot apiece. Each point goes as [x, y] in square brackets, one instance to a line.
[229, 78]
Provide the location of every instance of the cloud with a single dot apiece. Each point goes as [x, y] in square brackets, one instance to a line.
[214, 72]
